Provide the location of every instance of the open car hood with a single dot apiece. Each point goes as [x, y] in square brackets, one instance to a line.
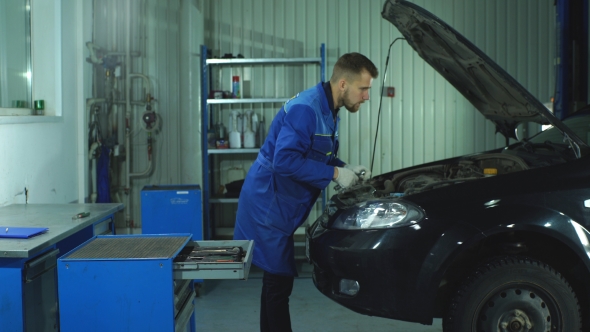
[498, 96]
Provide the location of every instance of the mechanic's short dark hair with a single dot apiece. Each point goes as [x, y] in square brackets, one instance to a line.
[353, 64]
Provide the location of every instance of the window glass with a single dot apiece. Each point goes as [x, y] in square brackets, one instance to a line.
[15, 54]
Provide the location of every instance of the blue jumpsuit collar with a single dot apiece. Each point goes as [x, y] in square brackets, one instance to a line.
[328, 90]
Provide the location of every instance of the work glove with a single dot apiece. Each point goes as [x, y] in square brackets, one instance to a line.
[358, 170]
[346, 178]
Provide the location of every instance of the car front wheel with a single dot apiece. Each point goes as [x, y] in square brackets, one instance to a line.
[514, 294]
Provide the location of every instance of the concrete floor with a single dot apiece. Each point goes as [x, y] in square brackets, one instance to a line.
[234, 305]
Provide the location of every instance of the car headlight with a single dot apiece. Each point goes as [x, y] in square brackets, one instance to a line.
[378, 214]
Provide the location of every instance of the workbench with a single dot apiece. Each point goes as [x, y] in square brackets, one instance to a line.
[28, 296]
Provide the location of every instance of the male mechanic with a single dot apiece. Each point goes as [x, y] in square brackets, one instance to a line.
[296, 162]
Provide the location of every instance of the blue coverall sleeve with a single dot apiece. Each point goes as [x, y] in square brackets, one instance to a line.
[337, 162]
[292, 144]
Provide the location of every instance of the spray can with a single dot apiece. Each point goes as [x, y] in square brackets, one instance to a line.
[235, 85]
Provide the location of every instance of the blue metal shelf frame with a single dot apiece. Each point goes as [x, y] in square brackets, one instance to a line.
[204, 141]
[572, 54]
[323, 78]
[206, 189]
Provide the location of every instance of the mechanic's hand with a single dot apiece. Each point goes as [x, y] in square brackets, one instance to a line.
[358, 170]
[346, 178]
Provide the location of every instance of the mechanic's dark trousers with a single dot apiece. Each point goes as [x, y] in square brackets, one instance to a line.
[274, 303]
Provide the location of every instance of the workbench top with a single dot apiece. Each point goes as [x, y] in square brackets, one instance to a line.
[56, 217]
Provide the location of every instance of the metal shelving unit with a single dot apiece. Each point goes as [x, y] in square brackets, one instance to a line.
[246, 100]
[207, 153]
[232, 151]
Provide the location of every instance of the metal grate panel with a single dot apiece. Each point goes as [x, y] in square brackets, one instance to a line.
[134, 247]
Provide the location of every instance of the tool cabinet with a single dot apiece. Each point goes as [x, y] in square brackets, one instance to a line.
[172, 209]
[141, 282]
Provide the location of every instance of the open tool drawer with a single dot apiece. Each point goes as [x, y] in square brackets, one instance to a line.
[214, 260]
[142, 282]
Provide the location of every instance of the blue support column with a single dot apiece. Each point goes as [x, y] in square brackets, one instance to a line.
[323, 79]
[571, 90]
[562, 89]
[204, 142]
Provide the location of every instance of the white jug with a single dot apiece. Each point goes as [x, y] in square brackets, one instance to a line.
[249, 141]
[235, 137]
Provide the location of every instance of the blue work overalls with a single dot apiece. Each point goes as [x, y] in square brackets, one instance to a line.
[293, 166]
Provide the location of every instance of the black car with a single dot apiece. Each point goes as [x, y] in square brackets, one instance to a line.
[494, 241]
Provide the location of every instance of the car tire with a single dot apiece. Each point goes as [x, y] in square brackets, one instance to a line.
[514, 294]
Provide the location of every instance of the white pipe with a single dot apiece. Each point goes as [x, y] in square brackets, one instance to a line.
[94, 146]
[128, 119]
[146, 80]
[129, 76]
[127, 162]
[93, 172]
[136, 54]
[94, 194]
[93, 48]
[145, 172]
[134, 103]
[90, 102]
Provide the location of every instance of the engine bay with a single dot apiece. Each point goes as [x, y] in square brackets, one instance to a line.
[518, 157]
[415, 180]
[432, 177]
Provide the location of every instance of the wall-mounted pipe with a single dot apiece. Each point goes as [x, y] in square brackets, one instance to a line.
[147, 99]
[147, 84]
[134, 103]
[128, 120]
[92, 161]
[145, 172]
[90, 102]
[93, 171]
[92, 48]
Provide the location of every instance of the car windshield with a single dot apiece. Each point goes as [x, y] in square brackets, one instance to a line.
[580, 125]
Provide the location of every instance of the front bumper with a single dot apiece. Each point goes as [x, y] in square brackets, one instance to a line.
[387, 264]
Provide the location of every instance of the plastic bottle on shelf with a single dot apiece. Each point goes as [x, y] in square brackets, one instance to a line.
[219, 128]
[235, 137]
[249, 141]
[241, 127]
[254, 122]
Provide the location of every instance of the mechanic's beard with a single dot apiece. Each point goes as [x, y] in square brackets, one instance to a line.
[352, 108]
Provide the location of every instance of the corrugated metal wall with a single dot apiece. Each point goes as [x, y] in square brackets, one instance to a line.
[427, 120]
